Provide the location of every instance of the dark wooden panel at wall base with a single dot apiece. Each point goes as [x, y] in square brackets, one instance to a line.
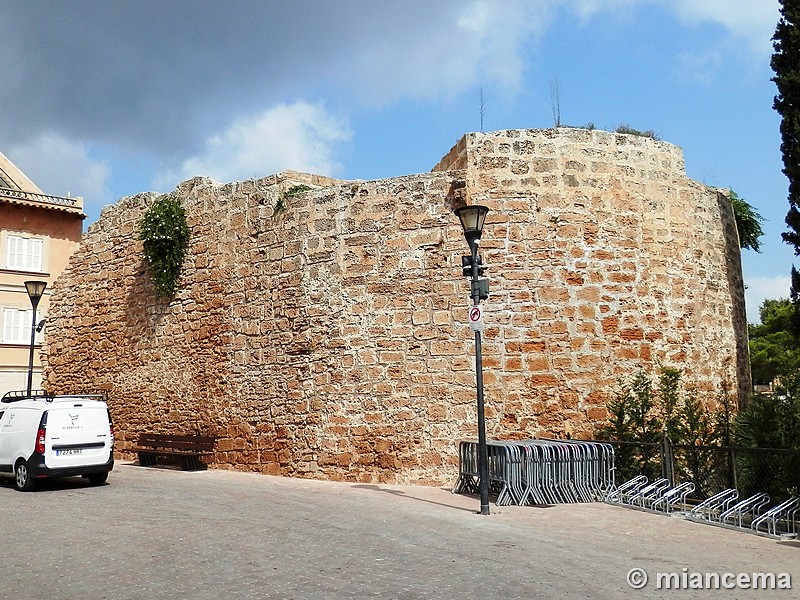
[185, 450]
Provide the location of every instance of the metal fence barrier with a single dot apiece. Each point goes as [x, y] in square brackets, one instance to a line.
[539, 471]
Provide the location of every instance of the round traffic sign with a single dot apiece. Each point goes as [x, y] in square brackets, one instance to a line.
[475, 314]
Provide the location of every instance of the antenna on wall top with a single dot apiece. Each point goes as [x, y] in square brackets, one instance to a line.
[482, 107]
[555, 102]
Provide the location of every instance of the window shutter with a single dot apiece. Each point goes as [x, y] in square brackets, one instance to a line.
[24, 254]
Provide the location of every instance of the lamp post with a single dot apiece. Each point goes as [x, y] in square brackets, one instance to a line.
[35, 292]
[472, 219]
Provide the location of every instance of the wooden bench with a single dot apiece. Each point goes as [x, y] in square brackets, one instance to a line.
[188, 448]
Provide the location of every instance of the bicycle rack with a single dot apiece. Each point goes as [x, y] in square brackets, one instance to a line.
[650, 493]
[624, 492]
[786, 512]
[674, 499]
[658, 496]
[725, 509]
[744, 509]
[710, 509]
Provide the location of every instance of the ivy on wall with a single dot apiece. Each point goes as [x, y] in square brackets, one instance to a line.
[165, 235]
[293, 191]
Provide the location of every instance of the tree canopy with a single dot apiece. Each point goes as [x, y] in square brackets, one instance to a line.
[774, 347]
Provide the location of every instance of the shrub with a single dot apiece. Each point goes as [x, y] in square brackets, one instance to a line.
[628, 130]
[165, 236]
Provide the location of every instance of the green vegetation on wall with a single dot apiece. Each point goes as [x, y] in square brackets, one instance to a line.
[628, 130]
[748, 223]
[293, 191]
[772, 420]
[165, 236]
[644, 413]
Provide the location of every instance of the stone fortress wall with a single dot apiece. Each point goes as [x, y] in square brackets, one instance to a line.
[329, 339]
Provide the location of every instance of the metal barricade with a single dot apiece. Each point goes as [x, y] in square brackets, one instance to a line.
[504, 471]
[468, 473]
[539, 471]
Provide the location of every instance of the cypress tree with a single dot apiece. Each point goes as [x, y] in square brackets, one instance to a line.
[786, 65]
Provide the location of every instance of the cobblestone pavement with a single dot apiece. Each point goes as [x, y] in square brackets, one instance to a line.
[155, 534]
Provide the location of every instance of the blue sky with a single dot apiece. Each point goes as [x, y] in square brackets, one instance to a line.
[107, 99]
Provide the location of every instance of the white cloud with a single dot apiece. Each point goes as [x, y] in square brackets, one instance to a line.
[63, 167]
[441, 54]
[752, 20]
[299, 136]
[759, 289]
[700, 67]
[585, 9]
[493, 40]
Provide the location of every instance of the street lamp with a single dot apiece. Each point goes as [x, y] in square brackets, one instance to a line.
[35, 292]
[472, 219]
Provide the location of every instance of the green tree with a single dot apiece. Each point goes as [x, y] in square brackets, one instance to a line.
[669, 396]
[748, 223]
[643, 412]
[770, 421]
[774, 347]
[632, 414]
[786, 66]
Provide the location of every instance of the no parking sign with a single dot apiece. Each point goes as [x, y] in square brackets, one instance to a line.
[476, 317]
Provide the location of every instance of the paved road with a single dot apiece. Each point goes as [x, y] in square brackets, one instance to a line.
[154, 534]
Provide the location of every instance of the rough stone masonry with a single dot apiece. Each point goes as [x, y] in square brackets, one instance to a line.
[328, 338]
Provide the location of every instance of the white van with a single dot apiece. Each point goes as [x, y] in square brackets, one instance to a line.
[54, 436]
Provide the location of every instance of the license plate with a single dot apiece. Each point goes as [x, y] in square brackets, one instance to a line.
[69, 451]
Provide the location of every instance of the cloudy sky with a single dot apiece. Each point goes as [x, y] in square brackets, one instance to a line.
[107, 99]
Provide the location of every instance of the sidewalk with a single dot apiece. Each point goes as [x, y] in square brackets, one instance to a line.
[219, 535]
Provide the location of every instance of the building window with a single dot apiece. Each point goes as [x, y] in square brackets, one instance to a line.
[24, 254]
[17, 326]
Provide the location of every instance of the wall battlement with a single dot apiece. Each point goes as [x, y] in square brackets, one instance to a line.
[329, 339]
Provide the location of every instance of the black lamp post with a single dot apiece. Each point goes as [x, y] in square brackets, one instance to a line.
[35, 292]
[472, 219]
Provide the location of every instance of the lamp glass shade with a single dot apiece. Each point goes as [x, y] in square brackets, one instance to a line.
[472, 218]
[35, 289]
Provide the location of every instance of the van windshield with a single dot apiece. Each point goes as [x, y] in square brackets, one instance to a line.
[77, 418]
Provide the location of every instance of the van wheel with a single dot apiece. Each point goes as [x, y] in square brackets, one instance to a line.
[22, 477]
[97, 478]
